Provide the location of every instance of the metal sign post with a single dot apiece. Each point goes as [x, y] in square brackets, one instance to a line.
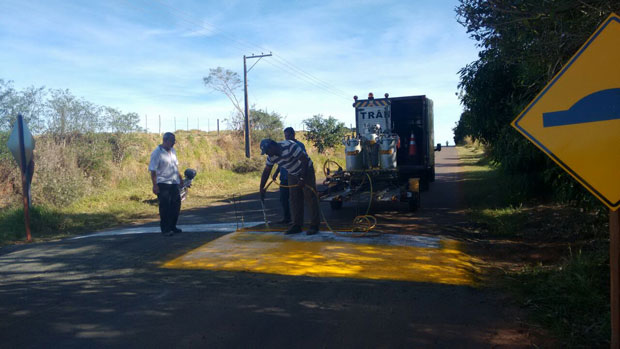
[24, 168]
[21, 144]
[614, 269]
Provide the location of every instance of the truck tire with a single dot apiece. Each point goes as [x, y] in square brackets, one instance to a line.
[414, 203]
[424, 183]
[335, 205]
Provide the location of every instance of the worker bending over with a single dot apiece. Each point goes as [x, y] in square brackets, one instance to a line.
[289, 155]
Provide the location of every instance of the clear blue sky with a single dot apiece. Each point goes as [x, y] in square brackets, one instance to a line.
[149, 56]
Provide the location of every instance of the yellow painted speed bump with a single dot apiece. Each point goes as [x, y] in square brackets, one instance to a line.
[271, 253]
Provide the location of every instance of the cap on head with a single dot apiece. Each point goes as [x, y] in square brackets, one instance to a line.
[168, 136]
[264, 145]
[290, 131]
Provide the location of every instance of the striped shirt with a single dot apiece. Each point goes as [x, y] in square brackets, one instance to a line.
[288, 159]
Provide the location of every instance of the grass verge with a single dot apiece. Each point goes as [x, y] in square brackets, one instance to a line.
[552, 258]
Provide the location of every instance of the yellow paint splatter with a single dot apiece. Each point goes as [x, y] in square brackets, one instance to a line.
[276, 254]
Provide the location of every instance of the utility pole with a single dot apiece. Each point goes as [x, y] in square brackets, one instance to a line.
[187, 123]
[146, 123]
[218, 127]
[245, 92]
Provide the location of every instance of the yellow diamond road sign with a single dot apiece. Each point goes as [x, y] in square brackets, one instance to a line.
[575, 119]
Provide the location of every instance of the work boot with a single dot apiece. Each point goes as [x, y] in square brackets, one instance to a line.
[293, 230]
[168, 233]
[177, 230]
[312, 231]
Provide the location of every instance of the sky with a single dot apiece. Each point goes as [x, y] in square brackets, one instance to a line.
[150, 56]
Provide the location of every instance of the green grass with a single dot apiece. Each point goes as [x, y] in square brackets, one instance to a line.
[568, 295]
[571, 298]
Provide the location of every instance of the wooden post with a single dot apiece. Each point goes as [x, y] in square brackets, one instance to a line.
[24, 169]
[614, 269]
[246, 117]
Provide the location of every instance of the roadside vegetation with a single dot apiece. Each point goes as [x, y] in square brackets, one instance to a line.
[548, 235]
[91, 164]
[552, 257]
[71, 197]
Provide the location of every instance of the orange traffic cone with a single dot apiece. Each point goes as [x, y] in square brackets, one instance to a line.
[412, 146]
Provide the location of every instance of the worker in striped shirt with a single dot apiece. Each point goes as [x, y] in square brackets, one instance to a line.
[289, 155]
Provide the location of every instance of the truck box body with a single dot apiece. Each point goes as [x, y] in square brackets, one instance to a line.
[402, 116]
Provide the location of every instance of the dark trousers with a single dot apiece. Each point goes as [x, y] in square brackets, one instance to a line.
[169, 206]
[284, 200]
[299, 196]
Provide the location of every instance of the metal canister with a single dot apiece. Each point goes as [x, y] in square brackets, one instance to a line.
[371, 150]
[354, 157]
[387, 151]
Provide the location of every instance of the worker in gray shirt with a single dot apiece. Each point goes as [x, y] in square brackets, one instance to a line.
[167, 179]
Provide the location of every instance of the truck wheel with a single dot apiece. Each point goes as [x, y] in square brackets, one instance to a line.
[414, 203]
[424, 183]
[431, 175]
[335, 205]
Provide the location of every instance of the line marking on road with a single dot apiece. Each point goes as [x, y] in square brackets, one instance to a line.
[187, 228]
[389, 257]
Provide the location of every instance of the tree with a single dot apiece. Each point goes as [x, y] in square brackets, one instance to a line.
[265, 124]
[68, 114]
[226, 82]
[523, 45]
[119, 122]
[324, 133]
[27, 102]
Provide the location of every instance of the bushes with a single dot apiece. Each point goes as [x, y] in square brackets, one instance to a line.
[72, 167]
[248, 165]
[58, 180]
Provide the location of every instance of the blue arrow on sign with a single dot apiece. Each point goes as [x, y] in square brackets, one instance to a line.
[599, 106]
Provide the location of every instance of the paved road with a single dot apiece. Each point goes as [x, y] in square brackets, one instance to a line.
[112, 291]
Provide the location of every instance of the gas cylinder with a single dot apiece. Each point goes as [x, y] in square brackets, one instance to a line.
[387, 151]
[353, 154]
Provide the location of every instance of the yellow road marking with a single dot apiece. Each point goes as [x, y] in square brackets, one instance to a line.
[276, 254]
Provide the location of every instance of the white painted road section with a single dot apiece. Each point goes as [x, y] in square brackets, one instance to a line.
[380, 239]
[373, 239]
[189, 228]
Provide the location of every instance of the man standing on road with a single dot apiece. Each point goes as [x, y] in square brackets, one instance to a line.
[289, 135]
[289, 155]
[166, 178]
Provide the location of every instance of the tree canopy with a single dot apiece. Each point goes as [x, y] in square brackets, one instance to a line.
[523, 45]
[60, 113]
[324, 132]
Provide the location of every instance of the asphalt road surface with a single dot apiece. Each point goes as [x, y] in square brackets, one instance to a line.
[113, 291]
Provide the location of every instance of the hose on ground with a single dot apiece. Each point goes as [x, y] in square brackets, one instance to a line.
[362, 224]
